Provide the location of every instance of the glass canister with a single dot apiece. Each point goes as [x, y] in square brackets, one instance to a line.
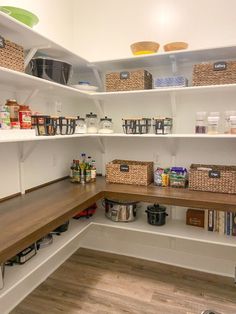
[92, 123]
[81, 126]
[227, 124]
[200, 126]
[213, 124]
[105, 126]
[233, 124]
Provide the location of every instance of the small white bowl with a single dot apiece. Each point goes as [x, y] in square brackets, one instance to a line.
[87, 88]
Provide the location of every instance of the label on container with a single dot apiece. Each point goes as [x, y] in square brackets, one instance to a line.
[220, 66]
[124, 75]
[124, 168]
[2, 42]
[25, 119]
[93, 174]
[215, 174]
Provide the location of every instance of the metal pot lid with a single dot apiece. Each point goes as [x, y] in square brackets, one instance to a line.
[156, 208]
[120, 202]
[81, 119]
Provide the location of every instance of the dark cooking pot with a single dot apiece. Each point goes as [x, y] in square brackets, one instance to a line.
[51, 69]
[156, 215]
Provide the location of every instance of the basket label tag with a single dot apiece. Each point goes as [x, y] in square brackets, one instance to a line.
[124, 75]
[124, 168]
[2, 42]
[215, 174]
[220, 66]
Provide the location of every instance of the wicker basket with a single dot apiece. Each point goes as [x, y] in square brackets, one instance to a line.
[129, 172]
[11, 55]
[217, 73]
[221, 179]
[128, 80]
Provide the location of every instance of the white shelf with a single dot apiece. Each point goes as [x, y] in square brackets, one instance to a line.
[163, 58]
[165, 91]
[173, 228]
[20, 280]
[28, 38]
[13, 136]
[17, 81]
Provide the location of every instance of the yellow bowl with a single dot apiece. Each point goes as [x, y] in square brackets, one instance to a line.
[144, 47]
[178, 45]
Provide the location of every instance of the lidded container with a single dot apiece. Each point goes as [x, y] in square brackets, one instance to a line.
[92, 123]
[213, 123]
[66, 125]
[162, 125]
[81, 126]
[13, 108]
[136, 126]
[105, 125]
[233, 124]
[200, 126]
[156, 214]
[25, 117]
[227, 125]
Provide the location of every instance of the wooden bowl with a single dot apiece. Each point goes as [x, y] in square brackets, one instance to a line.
[144, 47]
[178, 45]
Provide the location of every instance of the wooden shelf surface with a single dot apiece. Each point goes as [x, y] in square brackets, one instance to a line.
[25, 219]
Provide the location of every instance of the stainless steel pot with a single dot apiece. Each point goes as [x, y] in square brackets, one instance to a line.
[120, 211]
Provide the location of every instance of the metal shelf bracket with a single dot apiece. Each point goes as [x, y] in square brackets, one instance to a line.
[24, 153]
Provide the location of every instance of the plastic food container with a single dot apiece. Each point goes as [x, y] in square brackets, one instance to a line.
[92, 123]
[105, 126]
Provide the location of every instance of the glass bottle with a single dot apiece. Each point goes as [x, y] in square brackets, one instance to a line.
[93, 171]
[213, 124]
[200, 127]
[82, 166]
[76, 172]
[13, 108]
[233, 124]
[81, 127]
[105, 126]
[92, 123]
[227, 125]
[88, 170]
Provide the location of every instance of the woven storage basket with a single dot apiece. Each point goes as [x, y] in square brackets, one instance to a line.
[128, 80]
[129, 172]
[11, 55]
[221, 179]
[217, 73]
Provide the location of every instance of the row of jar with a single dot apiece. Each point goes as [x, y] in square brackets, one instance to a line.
[211, 123]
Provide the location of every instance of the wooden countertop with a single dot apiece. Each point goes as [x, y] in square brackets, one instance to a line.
[25, 219]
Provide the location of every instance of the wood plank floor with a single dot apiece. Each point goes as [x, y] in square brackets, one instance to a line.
[95, 282]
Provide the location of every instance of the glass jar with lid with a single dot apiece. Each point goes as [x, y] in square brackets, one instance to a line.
[213, 124]
[105, 125]
[227, 124]
[200, 126]
[233, 124]
[81, 126]
[92, 123]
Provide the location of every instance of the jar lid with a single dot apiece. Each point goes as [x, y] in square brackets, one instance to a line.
[156, 208]
[232, 118]
[91, 115]
[213, 119]
[81, 119]
[11, 100]
[106, 119]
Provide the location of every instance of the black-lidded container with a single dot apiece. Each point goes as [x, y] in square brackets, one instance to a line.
[51, 69]
[156, 215]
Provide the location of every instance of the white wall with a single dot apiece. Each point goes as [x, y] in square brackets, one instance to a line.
[105, 29]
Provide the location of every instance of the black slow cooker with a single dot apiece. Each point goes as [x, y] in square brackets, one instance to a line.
[156, 214]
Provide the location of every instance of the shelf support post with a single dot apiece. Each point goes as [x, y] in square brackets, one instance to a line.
[30, 96]
[173, 64]
[173, 110]
[98, 76]
[23, 155]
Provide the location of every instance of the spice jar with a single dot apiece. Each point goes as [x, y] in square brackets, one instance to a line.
[92, 123]
[25, 117]
[233, 124]
[81, 126]
[162, 125]
[5, 123]
[200, 127]
[105, 126]
[13, 108]
[227, 125]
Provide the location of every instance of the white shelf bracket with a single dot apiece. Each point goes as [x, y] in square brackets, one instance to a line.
[30, 96]
[173, 110]
[98, 76]
[101, 144]
[100, 107]
[31, 53]
[23, 155]
[174, 66]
